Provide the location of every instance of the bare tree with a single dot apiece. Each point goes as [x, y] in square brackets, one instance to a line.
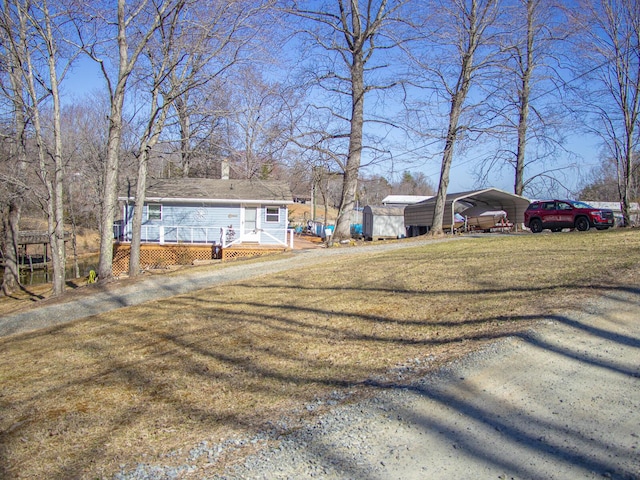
[135, 24]
[15, 140]
[158, 108]
[413, 184]
[260, 123]
[226, 34]
[611, 43]
[530, 97]
[42, 66]
[460, 47]
[85, 146]
[533, 45]
[601, 183]
[353, 34]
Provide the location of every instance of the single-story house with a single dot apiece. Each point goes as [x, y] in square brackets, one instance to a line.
[383, 222]
[418, 218]
[207, 211]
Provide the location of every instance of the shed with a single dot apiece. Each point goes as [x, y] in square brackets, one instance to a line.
[383, 222]
[419, 217]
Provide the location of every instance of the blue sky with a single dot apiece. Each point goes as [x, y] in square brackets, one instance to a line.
[86, 78]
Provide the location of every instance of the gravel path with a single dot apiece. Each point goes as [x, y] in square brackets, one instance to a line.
[114, 296]
[560, 403]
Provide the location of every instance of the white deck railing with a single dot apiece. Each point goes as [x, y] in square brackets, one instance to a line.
[196, 235]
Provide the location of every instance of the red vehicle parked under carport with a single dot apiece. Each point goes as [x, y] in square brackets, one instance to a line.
[558, 214]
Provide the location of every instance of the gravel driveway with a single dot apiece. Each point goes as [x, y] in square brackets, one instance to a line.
[562, 402]
[115, 295]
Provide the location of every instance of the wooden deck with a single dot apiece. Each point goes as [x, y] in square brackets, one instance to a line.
[36, 237]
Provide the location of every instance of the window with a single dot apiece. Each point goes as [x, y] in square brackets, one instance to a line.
[272, 214]
[154, 211]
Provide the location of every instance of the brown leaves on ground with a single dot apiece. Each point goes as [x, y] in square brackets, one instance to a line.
[147, 383]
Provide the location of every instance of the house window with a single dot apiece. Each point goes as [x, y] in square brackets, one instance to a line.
[154, 211]
[272, 214]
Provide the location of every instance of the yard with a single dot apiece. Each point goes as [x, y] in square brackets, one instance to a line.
[148, 383]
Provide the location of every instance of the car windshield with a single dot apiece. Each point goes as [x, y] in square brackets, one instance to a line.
[580, 205]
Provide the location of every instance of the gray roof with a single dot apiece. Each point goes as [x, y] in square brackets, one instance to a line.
[386, 210]
[205, 190]
[404, 199]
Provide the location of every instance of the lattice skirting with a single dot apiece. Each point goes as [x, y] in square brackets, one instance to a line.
[237, 253]
[161, 256]
[153, 256]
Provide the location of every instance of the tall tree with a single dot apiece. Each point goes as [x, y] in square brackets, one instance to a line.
[532, 45]
[227, 34]
[135, 23]
[43, 66]
[353, 34]
[610, 49]
[15, 137]
[260, 123]
[463, 41]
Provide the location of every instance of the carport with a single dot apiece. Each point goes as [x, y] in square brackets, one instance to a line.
[420, 214]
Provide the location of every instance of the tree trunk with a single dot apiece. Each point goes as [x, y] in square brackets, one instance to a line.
[445, 168]
[112, 164]
[626, 183]
[15, 52]
[58, 246]
[458, 94]
[136, 222]
[185, 133]
[525, 93]
[352, 167]
[11, 221]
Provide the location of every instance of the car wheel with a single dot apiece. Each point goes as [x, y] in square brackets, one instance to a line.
[582, 224]
[535, 225]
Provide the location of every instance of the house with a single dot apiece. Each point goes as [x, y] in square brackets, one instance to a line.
[418, 217]
[205, 211]
[383, 222]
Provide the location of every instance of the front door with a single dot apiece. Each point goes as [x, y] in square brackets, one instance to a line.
[250, 230]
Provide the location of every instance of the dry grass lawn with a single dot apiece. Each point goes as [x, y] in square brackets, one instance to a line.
[147, 383]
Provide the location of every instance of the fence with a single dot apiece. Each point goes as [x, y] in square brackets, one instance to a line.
[170, 234]
[193, 235]
[155, 256]
[162, 256]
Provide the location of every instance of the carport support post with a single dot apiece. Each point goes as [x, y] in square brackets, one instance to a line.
[453, 216]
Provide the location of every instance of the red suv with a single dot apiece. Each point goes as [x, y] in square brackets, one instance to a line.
[558, 214]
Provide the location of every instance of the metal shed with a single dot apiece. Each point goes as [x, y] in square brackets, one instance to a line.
[420, 215]
[383, 222]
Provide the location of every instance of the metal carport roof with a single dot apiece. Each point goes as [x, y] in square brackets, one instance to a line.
[421, 214]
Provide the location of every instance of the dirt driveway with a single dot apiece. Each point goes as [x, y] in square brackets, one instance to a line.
[560, 403]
